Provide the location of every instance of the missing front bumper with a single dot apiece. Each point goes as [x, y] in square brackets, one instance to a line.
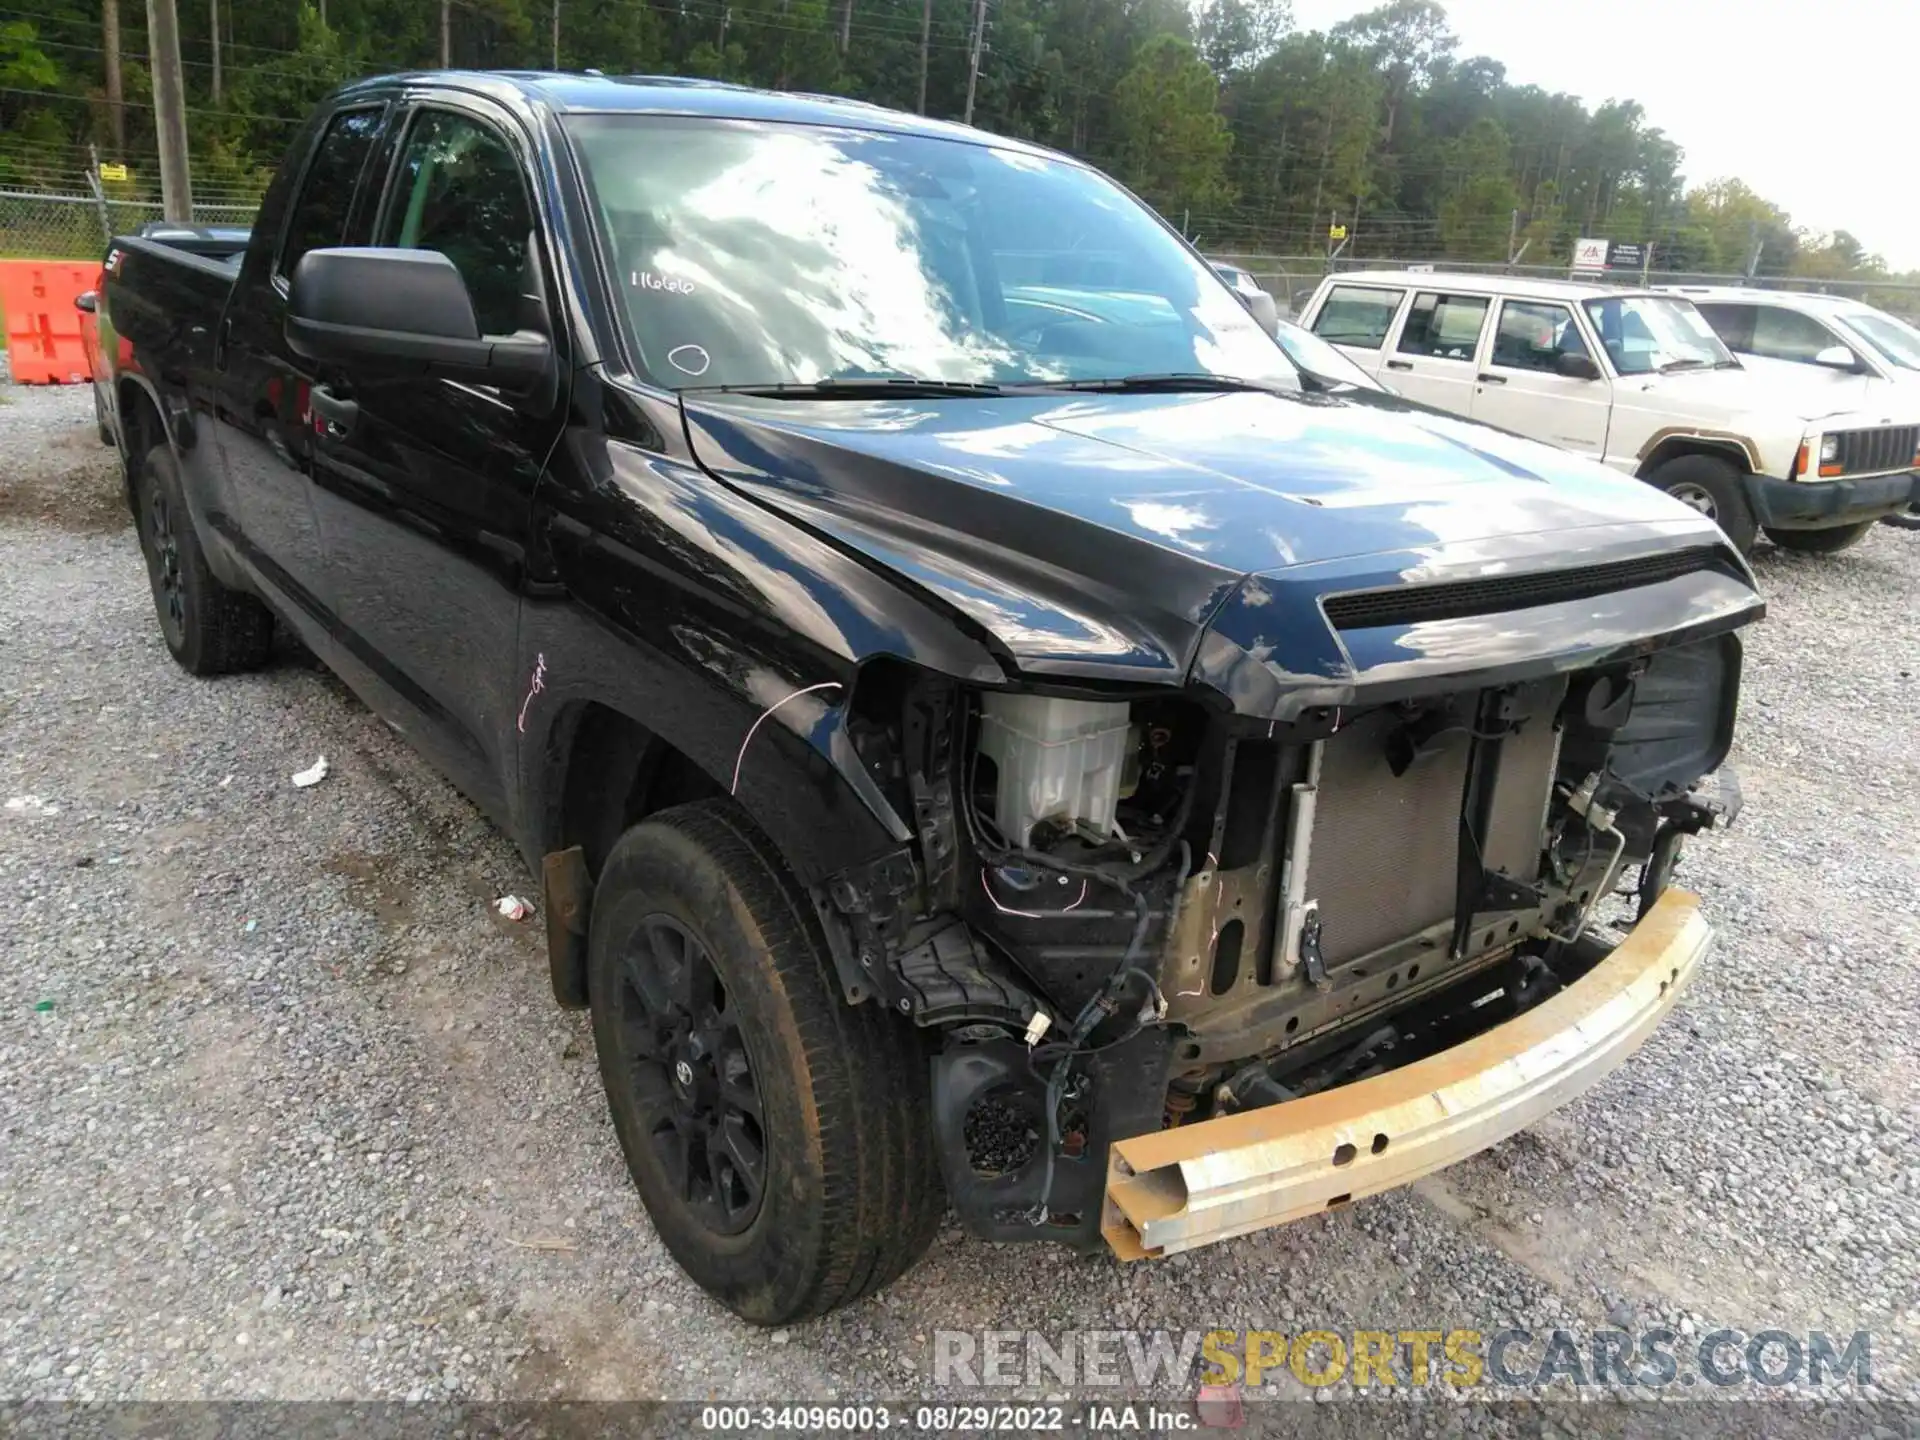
[1179, 1189]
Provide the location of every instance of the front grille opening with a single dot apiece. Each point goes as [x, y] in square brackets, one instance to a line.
[1459, 600]
[1892, 447]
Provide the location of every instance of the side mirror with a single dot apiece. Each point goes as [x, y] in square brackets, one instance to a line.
[1837, 357]
[88, 301]
[402, 311]
[1575, 366]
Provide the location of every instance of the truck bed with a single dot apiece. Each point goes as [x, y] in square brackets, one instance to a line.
[165, 302]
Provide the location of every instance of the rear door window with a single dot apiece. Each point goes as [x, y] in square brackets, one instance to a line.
[325, 202]
[1443, 327]
[1357, 315]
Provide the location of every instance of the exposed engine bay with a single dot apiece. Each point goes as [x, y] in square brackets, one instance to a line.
[1124, 914]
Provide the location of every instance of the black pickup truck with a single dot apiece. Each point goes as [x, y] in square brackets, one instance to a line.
[992, 730]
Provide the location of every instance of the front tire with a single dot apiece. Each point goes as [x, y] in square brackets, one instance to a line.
[209, 629]
[1830, 541]
[1714, 488]
[779, 1137]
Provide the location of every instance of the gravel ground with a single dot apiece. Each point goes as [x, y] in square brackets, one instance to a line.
[286, 1111]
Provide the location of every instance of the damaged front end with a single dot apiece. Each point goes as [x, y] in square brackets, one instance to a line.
[1174, 946]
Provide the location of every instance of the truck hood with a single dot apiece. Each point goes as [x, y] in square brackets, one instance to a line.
[1776, 389]
[1098, 535]
[1899, 398]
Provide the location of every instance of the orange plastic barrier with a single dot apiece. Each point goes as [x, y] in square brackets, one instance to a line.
[44, 339]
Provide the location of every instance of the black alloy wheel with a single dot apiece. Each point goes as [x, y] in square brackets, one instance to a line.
[163, 565]
[692, 1075]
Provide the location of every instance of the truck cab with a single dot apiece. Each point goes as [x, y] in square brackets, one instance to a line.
[1640, 381]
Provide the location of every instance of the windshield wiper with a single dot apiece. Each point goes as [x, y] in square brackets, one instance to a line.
[1673, 365]
[1169, 383]
[905, 387]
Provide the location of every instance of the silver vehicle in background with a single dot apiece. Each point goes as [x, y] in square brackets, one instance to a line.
[1258, 302]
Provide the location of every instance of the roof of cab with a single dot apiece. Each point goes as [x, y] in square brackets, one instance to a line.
[567, 92]
[1484, 284]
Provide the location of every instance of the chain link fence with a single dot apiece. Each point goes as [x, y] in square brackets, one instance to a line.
[40, 226]
[1291, 279]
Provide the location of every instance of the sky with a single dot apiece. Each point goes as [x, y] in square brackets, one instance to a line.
[1811, 102]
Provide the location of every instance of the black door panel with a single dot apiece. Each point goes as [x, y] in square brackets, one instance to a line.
[424, 487]
[265, 414]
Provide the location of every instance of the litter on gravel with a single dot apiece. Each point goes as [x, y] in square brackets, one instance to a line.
[31, 805]
[513, 907]
[312, 775]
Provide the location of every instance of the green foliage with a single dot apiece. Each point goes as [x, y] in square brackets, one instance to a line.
[1219, 109]
[1481, 194]
[1235, 35]
[23, 64]
[1172, 140]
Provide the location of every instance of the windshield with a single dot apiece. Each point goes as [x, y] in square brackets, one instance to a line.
[762, 254]
[1315, 356]
[1892, 340]
[1648, 333]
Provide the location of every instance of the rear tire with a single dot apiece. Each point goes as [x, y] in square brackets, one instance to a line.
[1713, 487]
[209, 629]
[780, 1138]
[1830, 541]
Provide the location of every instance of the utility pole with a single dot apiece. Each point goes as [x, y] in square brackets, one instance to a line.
[1753, 259]
[973, 56]
[214, 30]
[169, 110]
[110, 43]
[446, 34]
[556, 34]
[926, 33]
[1513, 234]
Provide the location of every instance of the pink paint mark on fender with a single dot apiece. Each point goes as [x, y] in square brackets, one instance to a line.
[534, 687]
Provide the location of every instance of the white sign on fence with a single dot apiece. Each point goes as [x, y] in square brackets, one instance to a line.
[1589, 254]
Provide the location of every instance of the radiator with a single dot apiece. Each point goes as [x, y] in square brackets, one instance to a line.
[1384, 853]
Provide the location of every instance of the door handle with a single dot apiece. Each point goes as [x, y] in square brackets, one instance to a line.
[1399, 364]
[1485, 379]
[333, 416]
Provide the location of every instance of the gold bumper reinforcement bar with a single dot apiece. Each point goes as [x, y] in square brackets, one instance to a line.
[1182, 1188]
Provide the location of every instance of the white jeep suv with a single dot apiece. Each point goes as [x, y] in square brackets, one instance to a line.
[1639, 380]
